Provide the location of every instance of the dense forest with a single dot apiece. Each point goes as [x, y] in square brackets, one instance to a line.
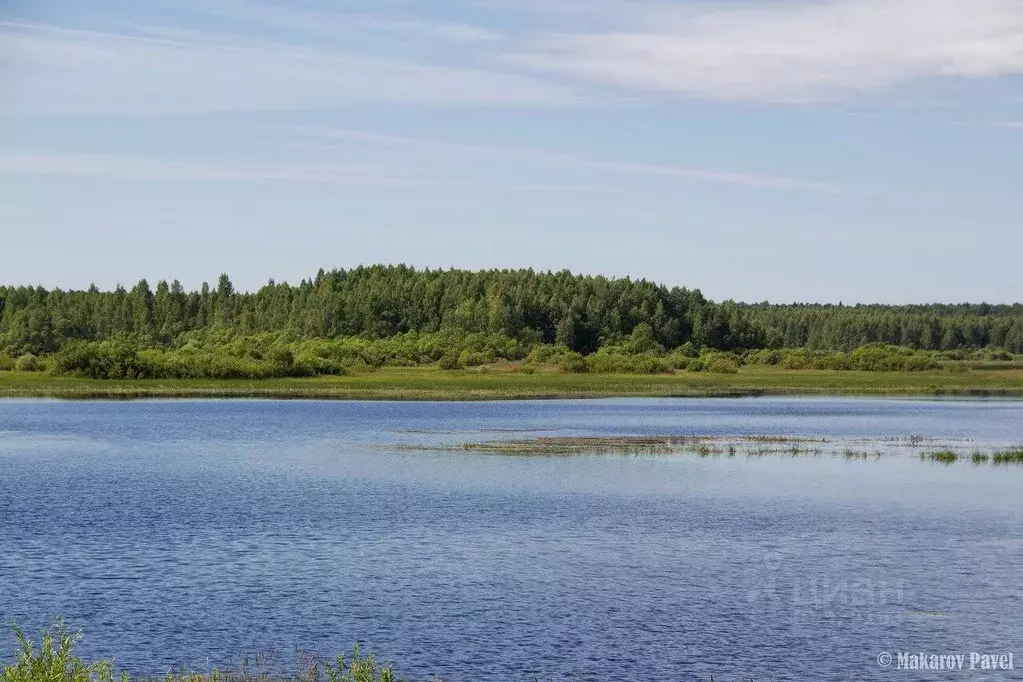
[422, 315]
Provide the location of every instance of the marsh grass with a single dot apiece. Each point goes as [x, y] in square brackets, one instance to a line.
[943, 456]
[1010, 456]
[701, 446]
[850, 453]
[714, 446]
[1001, 457]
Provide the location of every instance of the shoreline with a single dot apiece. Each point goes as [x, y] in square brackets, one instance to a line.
[430, 384]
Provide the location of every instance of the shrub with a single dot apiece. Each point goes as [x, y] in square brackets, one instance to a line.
[612, 361]
[54, 660]
[106, 360]
[6, 362]
[28, 363]
[918, 362]
[798, 359]
[471, 358]
[572, 363]
[544, 352]
[450, 360]
[677, 360]
[834, 361]
[695, 365]
[765, 357]
[721, 365]
[877, 357]
[281, 357]
[689, 350]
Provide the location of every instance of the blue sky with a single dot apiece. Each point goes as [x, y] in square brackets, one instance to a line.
[853, 150]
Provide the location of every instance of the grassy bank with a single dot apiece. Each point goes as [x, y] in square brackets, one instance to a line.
[490, 383]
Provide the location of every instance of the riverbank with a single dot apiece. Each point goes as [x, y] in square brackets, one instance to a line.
[430, 383]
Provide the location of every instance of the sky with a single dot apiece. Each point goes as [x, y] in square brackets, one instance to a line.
[782, 150]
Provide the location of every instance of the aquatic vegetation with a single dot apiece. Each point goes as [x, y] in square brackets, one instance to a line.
[580, 445]
[850, 453]
[701, 446]
[944, 456]
[787, 451]
[706, 450]
[1010, 456]
[942, 451]
[54, 660]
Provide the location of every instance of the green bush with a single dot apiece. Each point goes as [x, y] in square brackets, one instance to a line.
[694, 365]
[117, 359]
[6, 362]
[54, 660]
[612, 361]
[472, 358]
[572, 363]
[28, 363]
[833, 361]
[450, 360]
[766, 356]
[721, 365]
[918, 362]
[544, 353]
[689, 350]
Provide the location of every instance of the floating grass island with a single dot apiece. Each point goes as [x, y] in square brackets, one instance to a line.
[996, 457]
[748, 446]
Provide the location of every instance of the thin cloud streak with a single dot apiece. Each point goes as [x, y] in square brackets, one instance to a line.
[73, 71]
[754, 180]
[104, 166]
[330, 24]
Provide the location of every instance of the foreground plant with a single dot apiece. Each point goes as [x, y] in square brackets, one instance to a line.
[55, 661]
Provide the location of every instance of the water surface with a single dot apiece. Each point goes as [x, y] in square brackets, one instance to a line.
[194, 532]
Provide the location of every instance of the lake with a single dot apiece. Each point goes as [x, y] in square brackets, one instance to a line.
[191, 533]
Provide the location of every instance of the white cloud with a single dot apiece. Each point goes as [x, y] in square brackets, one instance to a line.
[788, 51]
[69, 71]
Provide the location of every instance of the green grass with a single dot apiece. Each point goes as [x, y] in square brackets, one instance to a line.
[430, 383]
[54, 660]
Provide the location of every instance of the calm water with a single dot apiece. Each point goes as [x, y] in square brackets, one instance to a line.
[194, 532]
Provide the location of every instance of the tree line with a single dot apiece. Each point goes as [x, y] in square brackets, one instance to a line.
[527, 308]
